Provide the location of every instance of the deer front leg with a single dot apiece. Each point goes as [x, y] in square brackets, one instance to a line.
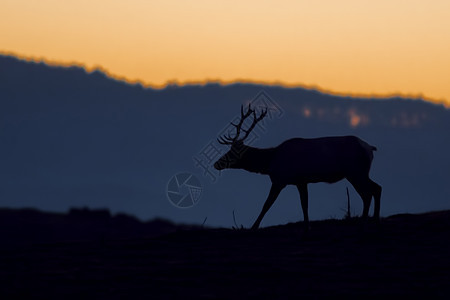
[273, 194]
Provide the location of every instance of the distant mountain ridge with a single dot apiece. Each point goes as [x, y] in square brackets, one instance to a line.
[71, 138]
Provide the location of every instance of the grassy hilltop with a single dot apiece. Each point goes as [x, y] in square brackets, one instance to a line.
[118, 256]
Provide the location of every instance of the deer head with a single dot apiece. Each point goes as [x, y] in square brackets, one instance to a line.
[232, 159]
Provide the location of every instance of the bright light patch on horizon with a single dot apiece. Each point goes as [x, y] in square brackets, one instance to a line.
[351, 47]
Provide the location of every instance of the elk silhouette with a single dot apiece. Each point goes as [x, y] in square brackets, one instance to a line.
[300, 161]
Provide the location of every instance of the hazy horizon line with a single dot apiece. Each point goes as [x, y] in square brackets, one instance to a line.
[204, 82]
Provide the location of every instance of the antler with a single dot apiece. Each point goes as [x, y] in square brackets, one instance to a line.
[228, 140]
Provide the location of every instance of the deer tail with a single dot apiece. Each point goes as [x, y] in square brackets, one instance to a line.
[367, 147]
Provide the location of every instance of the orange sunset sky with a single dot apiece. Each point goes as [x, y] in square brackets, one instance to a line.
[356, 47]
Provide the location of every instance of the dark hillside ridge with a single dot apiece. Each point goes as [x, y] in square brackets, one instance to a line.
[31, 226]
[405, 256]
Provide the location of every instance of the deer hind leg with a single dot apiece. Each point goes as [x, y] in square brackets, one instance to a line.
[273, 194]
[376, 192]
[303, 191]
[364, 188]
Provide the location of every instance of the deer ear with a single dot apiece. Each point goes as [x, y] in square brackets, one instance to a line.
[237, 147]
[238, 143]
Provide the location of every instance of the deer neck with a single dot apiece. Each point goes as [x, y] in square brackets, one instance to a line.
[257, 160]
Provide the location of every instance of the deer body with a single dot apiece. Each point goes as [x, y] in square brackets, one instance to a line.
[327, 159]
[301, 161]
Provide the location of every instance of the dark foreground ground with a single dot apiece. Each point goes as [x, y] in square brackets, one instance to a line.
[91, 254]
